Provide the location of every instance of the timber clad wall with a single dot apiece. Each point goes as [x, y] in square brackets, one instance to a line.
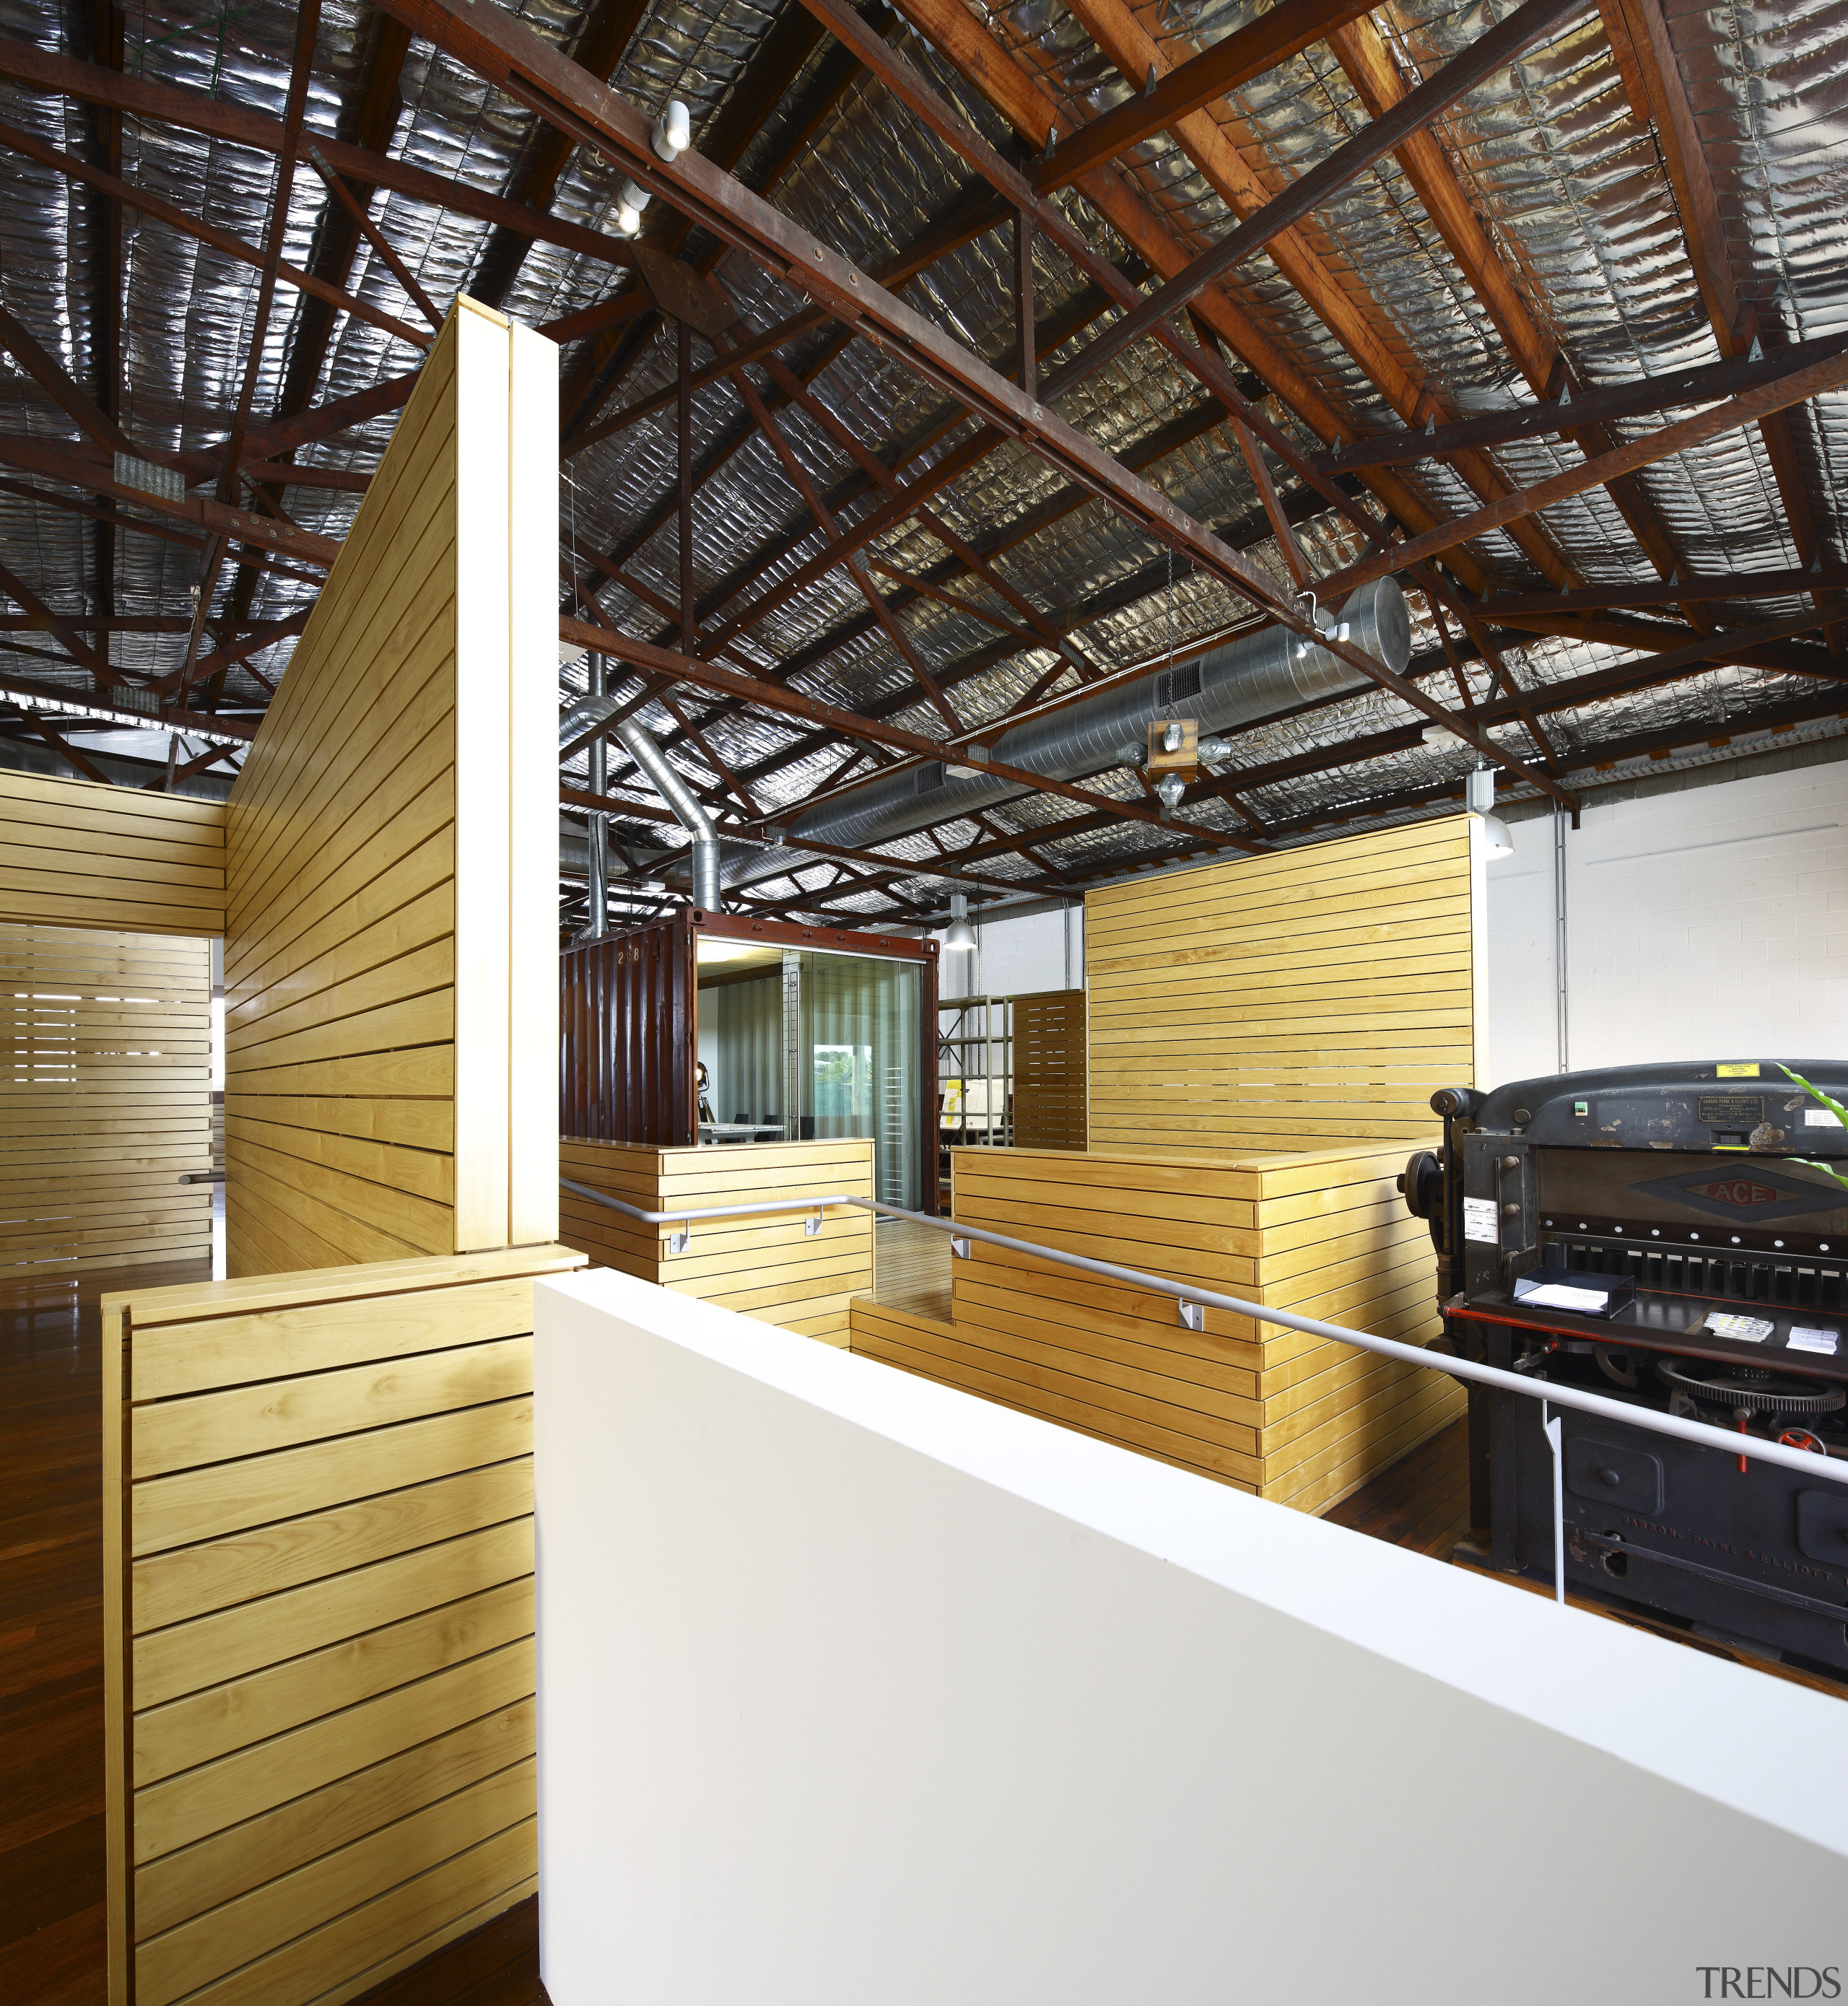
[74, 854]
[767, 1266]
[1284, 1002]
[105, 1070]
[1299, 1420]
[390, 1006]
[318, 1624]
[1049, 1070]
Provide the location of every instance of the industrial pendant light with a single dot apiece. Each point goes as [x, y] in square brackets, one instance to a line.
[960, 939]
[1479, 798]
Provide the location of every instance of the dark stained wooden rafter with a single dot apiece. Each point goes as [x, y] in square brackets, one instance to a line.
[128, 196]
[51, 459]
[76, 404]
[519, 63]
[191, 110]
[1709, 384]
[607, 29]
[65, 750]
[1026, 365]
[81, 654]
[355, 209]
[1735, 585]
[1363, 54]
[773, 69]
[778, 699]
[1024, 102]
[1645, 58]
[1319, 185]
[1659, 743]
[1347, 310]
[135, 525]
[239, 650]
[105, 23]
[314, 422]
[1748, 407]
[1620, 630]
[1766, 644]
[109, 623]
[367, 114]
[307, 25]
[1285, 30]
[190, 722]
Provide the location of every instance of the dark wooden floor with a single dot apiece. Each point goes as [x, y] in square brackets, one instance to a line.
[51, 1914]
[498, 1966]
[1422, 1501]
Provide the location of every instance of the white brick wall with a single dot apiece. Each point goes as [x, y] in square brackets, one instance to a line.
[1708, 923]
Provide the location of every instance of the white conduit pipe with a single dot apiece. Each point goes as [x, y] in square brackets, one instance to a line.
[1806, 1462]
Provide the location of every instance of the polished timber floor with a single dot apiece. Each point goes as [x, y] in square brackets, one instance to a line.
[51, 1641]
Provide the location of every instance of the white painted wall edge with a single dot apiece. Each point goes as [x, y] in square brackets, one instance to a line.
[855, 1687]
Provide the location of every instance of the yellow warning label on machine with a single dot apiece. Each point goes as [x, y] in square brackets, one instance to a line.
[1739, 1069]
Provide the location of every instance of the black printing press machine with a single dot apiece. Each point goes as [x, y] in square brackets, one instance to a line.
[1650, 1235]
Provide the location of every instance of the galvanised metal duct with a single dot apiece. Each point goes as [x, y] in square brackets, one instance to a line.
[1246, 679]
[680, 797]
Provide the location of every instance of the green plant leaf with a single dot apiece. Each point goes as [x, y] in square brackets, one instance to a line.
[1835, 1108]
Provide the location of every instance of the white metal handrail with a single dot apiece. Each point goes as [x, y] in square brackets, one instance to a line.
[1703, 1434]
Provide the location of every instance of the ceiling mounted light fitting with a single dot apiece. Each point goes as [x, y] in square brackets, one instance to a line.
[672, 133]
[960, 939]
[630, 200]
[1479, 798]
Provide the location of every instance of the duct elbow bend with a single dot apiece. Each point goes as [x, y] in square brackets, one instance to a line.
[688, 810]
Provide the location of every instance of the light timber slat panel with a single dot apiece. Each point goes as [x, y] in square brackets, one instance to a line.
[76, 854]
[1289, 1000]
[390, 1014]
[765, 1265]
[1299, 1420]
[1049, 1070]
[318, 1623]
[105, 1098]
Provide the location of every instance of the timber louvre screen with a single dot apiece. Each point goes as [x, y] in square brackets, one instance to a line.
[390, 993]
[1313, 996]
[105, 1099]
[318, 1624]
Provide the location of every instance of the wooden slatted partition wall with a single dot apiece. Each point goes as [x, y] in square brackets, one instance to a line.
[1299, 1420]
[75, 855]
[105, 1071]
[390, 984]
[1049, 1070]
[318, 1618]
[769, 1266]
[1287, 1001]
